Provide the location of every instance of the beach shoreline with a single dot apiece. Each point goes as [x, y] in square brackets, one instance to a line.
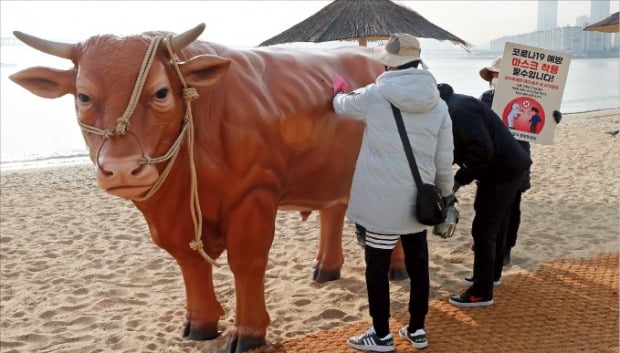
[80, 273]
[76, 159]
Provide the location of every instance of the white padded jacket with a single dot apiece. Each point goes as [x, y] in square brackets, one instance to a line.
[383, 189]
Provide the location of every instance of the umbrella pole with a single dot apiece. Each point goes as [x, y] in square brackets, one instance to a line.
[361, 42]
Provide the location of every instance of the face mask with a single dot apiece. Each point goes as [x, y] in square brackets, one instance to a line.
[493, 83]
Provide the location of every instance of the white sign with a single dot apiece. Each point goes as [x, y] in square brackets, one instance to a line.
[529, 88]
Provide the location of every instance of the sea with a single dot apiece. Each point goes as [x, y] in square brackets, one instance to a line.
[37, 132]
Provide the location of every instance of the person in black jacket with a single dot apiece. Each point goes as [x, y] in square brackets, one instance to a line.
[490, 74]
[485, 151]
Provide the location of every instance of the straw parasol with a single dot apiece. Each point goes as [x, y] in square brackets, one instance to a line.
[607, 25]
[362, 20]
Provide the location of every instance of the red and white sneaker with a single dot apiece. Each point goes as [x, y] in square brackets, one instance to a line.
[469, 299]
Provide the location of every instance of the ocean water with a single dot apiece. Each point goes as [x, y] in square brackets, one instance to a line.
[38, 132]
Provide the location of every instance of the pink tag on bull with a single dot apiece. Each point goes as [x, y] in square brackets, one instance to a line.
[339, 84]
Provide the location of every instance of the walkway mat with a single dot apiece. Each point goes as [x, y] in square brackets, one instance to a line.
[567, 306]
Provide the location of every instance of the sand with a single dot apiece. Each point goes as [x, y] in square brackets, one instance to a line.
[79, 272]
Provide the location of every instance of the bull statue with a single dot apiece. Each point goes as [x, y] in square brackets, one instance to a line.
[209, 143]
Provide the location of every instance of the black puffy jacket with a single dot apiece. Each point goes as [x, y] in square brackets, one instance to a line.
[484, 148]
[487, 98]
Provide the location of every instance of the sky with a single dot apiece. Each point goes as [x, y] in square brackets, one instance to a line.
[248, 23]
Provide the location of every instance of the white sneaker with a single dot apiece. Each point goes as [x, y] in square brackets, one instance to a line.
[369, 341]
[418, 338]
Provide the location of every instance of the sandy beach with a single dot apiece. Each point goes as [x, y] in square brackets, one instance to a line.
[79, 272]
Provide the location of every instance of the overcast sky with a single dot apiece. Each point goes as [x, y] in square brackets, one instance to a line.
[248, 23]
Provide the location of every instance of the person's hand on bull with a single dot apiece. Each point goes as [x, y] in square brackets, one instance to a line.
[557, 116]
[339, 85]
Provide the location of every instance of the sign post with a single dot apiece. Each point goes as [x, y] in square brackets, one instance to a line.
[529, 88]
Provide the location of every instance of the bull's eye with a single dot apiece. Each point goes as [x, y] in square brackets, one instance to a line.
[83, 98]
[162, 93]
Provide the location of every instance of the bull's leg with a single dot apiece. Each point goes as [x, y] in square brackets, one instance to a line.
[203, 309]
[249, 235]
[397, 264]
[329, 259]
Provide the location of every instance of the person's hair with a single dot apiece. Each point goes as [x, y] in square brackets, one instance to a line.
[414, 64]
[410, 64]
[535, 109]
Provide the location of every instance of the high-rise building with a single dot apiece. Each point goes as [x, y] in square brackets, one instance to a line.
[599, 9]
[572, 39]
[596, 41]
[547, 14]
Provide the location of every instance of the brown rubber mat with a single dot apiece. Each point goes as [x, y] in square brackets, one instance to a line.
[566, 306]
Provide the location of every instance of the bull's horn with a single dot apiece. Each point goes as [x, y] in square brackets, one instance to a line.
[180, 41]
[62, 50]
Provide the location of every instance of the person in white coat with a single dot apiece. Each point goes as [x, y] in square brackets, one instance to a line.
[383, 188]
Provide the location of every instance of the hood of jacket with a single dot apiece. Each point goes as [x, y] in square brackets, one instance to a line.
[445, 91]
[410, 90]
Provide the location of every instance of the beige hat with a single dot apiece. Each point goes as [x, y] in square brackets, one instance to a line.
[400, 49]
[485, 72]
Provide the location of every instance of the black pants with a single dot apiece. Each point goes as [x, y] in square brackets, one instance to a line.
[514, 220]
[493, 203]
[378, 285]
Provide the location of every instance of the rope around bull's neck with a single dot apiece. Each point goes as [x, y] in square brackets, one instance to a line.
[189, 94]
[122, 126]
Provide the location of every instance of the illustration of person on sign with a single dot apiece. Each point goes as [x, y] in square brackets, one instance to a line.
[534, 120]
[524, 114]
[514, 114]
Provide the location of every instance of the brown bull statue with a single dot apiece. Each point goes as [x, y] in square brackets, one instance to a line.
[209, 142]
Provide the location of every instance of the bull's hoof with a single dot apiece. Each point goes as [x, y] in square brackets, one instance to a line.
[240, 345]
[398, 274]
[199, 333]
[320, 276]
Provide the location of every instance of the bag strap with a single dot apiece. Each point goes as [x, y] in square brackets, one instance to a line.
[407, 145]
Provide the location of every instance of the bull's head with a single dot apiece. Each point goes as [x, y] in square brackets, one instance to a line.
[102, 80]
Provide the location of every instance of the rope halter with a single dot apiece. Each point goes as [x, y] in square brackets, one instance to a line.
[122, 128]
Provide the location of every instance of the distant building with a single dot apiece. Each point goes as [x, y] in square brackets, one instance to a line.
[597, 41]
[582, 21]
[572, 39]
[9, 41]
[599, 9]
[547, 14]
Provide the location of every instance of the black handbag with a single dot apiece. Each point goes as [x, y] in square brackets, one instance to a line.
[430, 207]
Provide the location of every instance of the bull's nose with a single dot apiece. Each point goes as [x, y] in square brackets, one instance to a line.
[125, 177]
[112, 169]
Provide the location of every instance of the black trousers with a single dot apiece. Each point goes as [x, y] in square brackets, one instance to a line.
[378, 284]
[514, 220]
[492, 205]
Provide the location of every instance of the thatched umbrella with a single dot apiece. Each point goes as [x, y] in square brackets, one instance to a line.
[607, 25]
[362, 20]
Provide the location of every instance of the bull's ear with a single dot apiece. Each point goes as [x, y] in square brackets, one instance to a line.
[46, 82]
[204, 70]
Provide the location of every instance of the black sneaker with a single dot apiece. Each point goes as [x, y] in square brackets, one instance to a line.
[417, 339]
[470, 280]
[468, 299]
[369, 341]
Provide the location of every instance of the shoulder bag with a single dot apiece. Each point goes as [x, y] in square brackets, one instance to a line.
[430, 208]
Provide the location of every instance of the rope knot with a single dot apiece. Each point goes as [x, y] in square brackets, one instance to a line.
[122, 125]
[196, 244]
[107, 134]
[190, 94]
